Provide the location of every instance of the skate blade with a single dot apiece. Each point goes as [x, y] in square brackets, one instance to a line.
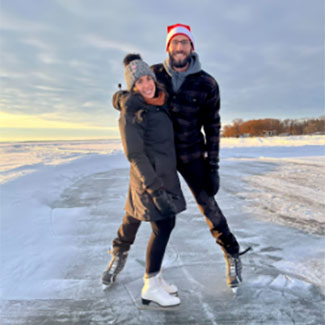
[106, 286]
[154, 306]
[234, 287]
[234, 290]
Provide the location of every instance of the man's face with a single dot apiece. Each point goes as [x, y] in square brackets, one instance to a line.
[179, 50]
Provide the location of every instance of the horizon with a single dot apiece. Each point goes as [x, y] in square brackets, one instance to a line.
[61, 61]
[306, 139]
[117, 137]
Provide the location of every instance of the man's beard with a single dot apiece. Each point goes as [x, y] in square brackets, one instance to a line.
[180, 63]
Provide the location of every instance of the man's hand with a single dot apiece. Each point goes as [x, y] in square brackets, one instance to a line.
[163, 202]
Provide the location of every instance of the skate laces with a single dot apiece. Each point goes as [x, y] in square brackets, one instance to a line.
[235, 262]
[245, 251]
[234, 265]
[117, 263]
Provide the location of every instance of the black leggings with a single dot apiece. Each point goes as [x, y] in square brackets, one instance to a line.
[157, 244]
[158, 241]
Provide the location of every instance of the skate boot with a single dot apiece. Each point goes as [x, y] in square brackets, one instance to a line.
[234, 268]
[153, 291]
[170, 288]
[115, 266]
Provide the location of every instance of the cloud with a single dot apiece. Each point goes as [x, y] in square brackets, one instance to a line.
[101, 43]
[84, 9]
[12, 23]
[38, 44]
[239, 13]
[63, 59]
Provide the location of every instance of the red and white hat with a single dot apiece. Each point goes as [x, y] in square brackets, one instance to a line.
[179, 29]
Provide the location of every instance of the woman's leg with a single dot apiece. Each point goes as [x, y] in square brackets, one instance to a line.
[126, 234]
[158, 241]
[153, 289]
[121, 244]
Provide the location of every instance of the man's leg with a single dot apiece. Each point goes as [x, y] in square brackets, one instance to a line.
[193, 174]
[121, 244]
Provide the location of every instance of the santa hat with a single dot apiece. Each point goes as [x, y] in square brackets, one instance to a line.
[179, 29]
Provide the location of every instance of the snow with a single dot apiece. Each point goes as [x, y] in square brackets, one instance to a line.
[61, 204]
[18, 159]
[292, 141]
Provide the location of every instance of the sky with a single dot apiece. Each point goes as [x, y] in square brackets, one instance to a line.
[61, 60]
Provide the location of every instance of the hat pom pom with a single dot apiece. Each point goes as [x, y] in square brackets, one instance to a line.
[131, 57]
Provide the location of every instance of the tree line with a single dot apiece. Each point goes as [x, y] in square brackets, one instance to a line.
[271, 127]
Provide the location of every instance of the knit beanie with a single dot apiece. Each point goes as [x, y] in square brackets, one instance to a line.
[179, 29]
[135, 68]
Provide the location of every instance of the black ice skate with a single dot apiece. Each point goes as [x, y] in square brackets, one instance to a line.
[115, 266]
[234, 269]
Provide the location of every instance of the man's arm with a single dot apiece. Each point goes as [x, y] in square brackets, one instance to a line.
[211, 123]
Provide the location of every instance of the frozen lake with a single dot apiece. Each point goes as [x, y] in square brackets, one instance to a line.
[61, 204]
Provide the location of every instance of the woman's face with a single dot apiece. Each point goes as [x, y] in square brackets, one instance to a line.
[145, 86]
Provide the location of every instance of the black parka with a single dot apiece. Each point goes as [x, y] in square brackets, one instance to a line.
[148, 142]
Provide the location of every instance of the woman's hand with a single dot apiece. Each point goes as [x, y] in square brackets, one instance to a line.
[163, 202]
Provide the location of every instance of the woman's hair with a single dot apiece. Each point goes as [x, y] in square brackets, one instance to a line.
[160, 87]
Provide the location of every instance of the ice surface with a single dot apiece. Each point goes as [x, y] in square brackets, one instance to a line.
[61, 204]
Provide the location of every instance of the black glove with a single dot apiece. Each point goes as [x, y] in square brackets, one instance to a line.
[212, 180]
[163, 202]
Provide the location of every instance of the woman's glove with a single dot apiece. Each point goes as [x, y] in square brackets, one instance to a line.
[163, 202]
[212, 180]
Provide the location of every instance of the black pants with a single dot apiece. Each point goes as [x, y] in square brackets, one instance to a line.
[157, 244]
[194, 175]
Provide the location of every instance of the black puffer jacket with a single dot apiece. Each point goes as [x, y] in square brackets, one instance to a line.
[195, 106]
[148, 142]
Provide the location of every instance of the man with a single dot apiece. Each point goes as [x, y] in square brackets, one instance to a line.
[194, 104]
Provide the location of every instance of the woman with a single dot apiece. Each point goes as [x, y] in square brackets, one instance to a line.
[154, 192]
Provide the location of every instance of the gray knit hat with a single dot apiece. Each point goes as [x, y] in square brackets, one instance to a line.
[135, 69]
